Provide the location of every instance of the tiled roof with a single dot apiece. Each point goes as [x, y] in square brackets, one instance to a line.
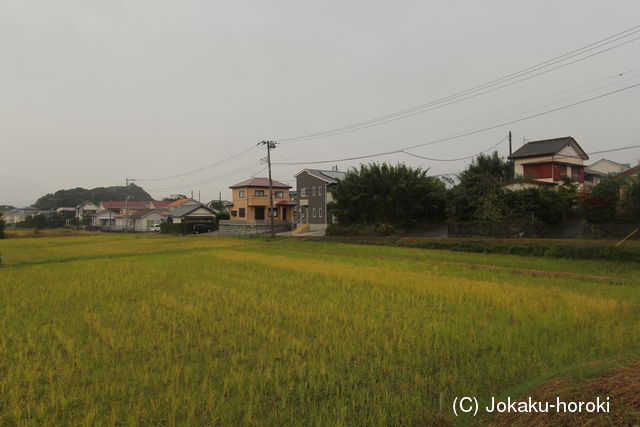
[180, 202]
[120, 204]
[630, 172]
[260, 182]
[546, 147]
[161, 203]
[180, 211]
[331, 176]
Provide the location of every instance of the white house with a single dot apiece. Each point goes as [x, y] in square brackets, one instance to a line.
[594, 173]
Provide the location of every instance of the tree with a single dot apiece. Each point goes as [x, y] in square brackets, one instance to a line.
[601, 204]
[1, 226]
[383, 194]
[174, 197]
[76, 196]
[478, 195]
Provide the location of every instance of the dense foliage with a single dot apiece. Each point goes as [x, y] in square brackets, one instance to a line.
[55, 220]
[76, 196]
[1, 226]
[398, 196]
[601, 204]
[480, 195]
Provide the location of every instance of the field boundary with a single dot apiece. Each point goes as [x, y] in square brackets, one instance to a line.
[530, 272]
[118, 255]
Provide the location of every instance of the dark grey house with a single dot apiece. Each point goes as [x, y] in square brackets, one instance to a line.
[312, 193]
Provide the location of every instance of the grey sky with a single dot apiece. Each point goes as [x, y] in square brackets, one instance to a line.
[94, 91]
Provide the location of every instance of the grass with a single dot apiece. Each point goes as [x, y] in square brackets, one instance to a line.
[197, 330]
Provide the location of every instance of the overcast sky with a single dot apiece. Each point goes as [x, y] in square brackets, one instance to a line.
[92, 92]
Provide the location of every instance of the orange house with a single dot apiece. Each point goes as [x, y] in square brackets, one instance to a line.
[251, 201]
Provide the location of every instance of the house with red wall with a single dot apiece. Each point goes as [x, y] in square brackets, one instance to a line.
[548, 161]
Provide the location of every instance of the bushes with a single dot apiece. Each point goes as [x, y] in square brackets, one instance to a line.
[532, 248]
[1, 226]
[185, 227]
[359, 230]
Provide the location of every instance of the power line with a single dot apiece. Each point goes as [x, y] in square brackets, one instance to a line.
[228, 159]
[460, 96]
[208, 180]
[459, 158]
[473, 132]
[590, 154]
[617, 75]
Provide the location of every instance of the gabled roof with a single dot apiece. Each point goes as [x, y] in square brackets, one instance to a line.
[547, 147]
[160, 203]
[331, 177]
[120, 204]
[137, 213]
[181, 202]
[180, 211]
[630, 172]
[260, 182]
[622, 165]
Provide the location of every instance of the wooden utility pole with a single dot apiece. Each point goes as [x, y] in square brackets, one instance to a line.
[270, 145]
[510, 152]
[126, 205]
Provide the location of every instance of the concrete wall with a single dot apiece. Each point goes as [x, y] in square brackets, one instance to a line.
[234, 228]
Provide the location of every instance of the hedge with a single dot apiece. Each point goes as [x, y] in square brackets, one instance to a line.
[575, 250]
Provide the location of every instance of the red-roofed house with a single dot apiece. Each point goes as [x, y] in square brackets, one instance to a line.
[251, 201]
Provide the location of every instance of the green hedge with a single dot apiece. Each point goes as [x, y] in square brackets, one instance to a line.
[185, 227]
[611, 253]
[359, 230]
[574, 250]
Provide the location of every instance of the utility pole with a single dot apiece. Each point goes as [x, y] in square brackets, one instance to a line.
[270, 145]
[126, 204]
[510, 144]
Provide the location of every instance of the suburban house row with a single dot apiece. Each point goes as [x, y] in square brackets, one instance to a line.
[537, 163]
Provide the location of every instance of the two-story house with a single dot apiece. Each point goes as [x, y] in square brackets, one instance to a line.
[313, 196]
[549, 161]
[250, 200]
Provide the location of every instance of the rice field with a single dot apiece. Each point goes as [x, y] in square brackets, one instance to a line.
[113, 329]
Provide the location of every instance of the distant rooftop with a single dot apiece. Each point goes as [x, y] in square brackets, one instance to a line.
[260, 182]
[547, 147]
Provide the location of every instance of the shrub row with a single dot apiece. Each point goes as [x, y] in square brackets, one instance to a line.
[359, 230]
[573, 250]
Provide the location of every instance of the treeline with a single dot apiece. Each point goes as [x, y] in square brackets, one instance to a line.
[75, 196]
[381, 198]
[54, 220]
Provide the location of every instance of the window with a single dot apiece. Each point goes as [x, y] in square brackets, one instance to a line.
[303, 192]
[234, 213]
[320, 190]
[241, 194]
[313, 190]
[150, 223]
[274, 213]
[241, 212]
[259, 193]
[320, 212]
[314, 212]
[279, 194]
